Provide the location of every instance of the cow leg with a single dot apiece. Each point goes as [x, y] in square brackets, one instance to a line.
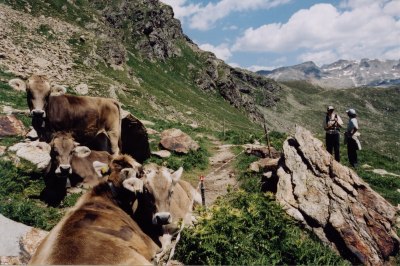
[114, 137]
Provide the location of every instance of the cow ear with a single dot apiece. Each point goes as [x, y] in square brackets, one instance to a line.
[82, 151]
[177, 175]
[133, 184]
[100, 168]
[57, 90]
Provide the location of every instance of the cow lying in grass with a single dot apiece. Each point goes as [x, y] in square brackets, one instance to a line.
[180, 195]
[98, 230]
[70, 163]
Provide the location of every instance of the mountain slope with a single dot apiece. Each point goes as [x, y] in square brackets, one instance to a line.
[134, 51]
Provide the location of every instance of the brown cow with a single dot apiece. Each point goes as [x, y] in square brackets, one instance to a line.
[84, 116]
[178, 196]
[98, 230]
[70, 164]
[74, 161]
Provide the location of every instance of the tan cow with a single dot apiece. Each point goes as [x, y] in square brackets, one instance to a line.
[74, 161]
[85, 117]
[178, 196]
[98, 230]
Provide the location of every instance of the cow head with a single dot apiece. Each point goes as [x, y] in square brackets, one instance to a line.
[123, 179]
[158, 186]
[63, 147]
[38, 93]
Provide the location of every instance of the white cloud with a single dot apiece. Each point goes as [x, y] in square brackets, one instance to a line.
[231, 27]
[365, 28]
[221, 51]
[256, 68]
[204, 17]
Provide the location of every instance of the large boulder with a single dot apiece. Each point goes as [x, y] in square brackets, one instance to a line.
[11, 126]
[35, 152]
[175, 140]
[18, 242]
[334, 202]
[262, 151]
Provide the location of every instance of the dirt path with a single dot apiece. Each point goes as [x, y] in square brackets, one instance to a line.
[222, 173]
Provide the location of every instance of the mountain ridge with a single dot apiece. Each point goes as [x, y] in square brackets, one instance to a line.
[342, 73]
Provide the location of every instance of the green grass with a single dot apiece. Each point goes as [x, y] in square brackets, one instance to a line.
[250, 229]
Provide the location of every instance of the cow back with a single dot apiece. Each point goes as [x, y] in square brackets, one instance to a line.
[134, 138]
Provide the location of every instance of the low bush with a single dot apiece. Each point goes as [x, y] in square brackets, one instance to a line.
[250, 229]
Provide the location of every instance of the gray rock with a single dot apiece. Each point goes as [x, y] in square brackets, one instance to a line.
[161, 153]
[82, 89]
[18, 242]
[178, 141]
[17, 84]
[11, 126]
[334, 202]
[35, 152]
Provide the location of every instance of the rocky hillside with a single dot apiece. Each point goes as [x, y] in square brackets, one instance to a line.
[342, 74]
[129, 50]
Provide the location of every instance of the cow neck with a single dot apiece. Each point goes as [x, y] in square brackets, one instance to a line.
[120, 197]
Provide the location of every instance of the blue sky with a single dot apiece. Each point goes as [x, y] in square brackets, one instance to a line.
[266, 34]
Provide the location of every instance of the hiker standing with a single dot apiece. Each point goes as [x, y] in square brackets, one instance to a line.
[351, 137]
[332, 125]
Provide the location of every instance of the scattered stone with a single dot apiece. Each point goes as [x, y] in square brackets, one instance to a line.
[74, 190]
[8, 110]
[366, 166]
[261, 151]
[162, 153]
[151, 131]
[17, 84]
[175, 140]
[11, 126]
[32, 134]
[2, 55]
[264, 164]
[267, 174]
[35, 152]
[147, 123]
[2, 150]
[41, 62]
[82, 89]
[332, 201]
[384, 172]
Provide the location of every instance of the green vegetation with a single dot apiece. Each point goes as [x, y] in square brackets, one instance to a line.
[250, 229]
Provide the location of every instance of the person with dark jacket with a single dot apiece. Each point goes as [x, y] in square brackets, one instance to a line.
[332, 125]
[351, 135]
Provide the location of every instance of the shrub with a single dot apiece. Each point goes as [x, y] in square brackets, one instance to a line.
[248, 229]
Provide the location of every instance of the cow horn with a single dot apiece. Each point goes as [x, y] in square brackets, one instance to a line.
[177, 174]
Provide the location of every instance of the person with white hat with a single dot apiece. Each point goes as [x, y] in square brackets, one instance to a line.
[332, 125]
[351, 137]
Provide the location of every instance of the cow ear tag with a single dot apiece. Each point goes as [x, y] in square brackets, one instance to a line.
[100, 168]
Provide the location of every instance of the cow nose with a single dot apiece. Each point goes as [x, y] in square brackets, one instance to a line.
[38, 113]
[162, 218]
[65, 169]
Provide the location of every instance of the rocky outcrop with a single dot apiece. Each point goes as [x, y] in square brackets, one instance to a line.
[334, 202]
[175, 140]
[147, 23]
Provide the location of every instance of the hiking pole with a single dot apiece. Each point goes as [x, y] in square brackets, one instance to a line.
[202, 190]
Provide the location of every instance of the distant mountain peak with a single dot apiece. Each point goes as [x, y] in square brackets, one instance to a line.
[342, 73]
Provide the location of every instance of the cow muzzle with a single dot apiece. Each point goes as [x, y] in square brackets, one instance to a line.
[64, 170]
[162, 218]
[38, 113]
